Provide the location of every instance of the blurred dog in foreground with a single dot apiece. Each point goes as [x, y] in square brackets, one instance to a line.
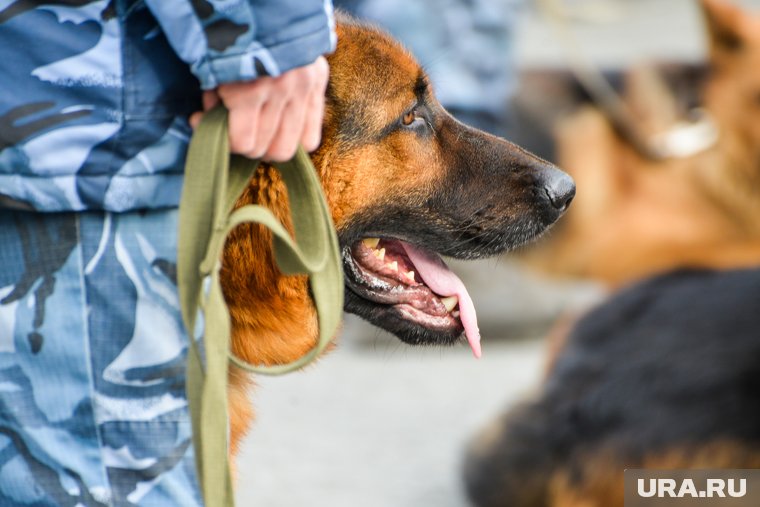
[664, 375]
[636, 217]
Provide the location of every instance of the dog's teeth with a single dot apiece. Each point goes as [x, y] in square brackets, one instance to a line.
[371, 242]
[393, 266]
[410, 275]
[380, 254]
[450, 302]
[455, 314]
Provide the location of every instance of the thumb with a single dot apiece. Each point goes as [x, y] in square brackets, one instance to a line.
[210, 99]
[195, 119]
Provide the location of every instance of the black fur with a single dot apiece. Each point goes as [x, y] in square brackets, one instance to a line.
[671, 363]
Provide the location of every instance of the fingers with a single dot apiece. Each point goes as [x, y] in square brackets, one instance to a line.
[195, 119]
[312, 132]
[273, 115]
[269, 117]
[285, 141]
[243, 129]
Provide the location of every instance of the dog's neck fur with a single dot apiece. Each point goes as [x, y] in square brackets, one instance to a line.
[273, 318]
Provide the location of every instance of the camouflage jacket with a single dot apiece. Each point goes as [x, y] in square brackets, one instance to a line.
[95, 95]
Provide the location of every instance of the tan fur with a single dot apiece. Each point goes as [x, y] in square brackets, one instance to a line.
[395, 165]
[274, 320]
[599, 483]
[633, 217]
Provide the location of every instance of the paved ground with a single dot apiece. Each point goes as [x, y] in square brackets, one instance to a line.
[378, 424]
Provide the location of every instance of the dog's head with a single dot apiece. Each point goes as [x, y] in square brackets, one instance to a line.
[405, 182]
[640, 216]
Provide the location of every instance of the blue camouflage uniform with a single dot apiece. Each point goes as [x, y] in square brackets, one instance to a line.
[94, 103]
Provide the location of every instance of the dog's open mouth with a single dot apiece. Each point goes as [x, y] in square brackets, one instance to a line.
[415, 283]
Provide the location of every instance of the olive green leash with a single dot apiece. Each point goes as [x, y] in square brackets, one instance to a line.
[213, 182]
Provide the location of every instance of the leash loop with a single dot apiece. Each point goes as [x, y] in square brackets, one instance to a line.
[214, 180]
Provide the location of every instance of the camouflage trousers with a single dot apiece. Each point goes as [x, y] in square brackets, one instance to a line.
[92, 356]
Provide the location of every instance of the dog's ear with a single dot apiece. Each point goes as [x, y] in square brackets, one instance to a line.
[724, 25]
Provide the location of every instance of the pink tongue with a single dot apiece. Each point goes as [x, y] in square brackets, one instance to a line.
[441, 280]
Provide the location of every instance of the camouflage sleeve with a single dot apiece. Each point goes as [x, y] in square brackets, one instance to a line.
[238, 40]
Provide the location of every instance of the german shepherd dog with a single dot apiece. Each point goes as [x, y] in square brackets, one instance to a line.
[640, 217]
[405, 182]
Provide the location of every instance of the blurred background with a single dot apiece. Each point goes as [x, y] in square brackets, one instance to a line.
[379, 424]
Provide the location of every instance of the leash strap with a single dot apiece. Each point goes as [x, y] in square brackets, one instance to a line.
[213, 182]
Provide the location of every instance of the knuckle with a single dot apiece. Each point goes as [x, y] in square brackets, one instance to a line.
[241, 146]
[256, 151]
[228, 91]
[281, 154]
[241, 141]
[282, 149]
[311, 140]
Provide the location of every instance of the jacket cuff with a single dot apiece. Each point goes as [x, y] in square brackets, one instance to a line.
[264, 61]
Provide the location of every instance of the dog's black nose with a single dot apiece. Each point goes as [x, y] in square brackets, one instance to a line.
[559, 187]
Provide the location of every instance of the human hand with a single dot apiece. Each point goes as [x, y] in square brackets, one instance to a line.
[270, 116]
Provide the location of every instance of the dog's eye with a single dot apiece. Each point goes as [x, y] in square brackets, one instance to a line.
[413, 119]
[409, 118]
